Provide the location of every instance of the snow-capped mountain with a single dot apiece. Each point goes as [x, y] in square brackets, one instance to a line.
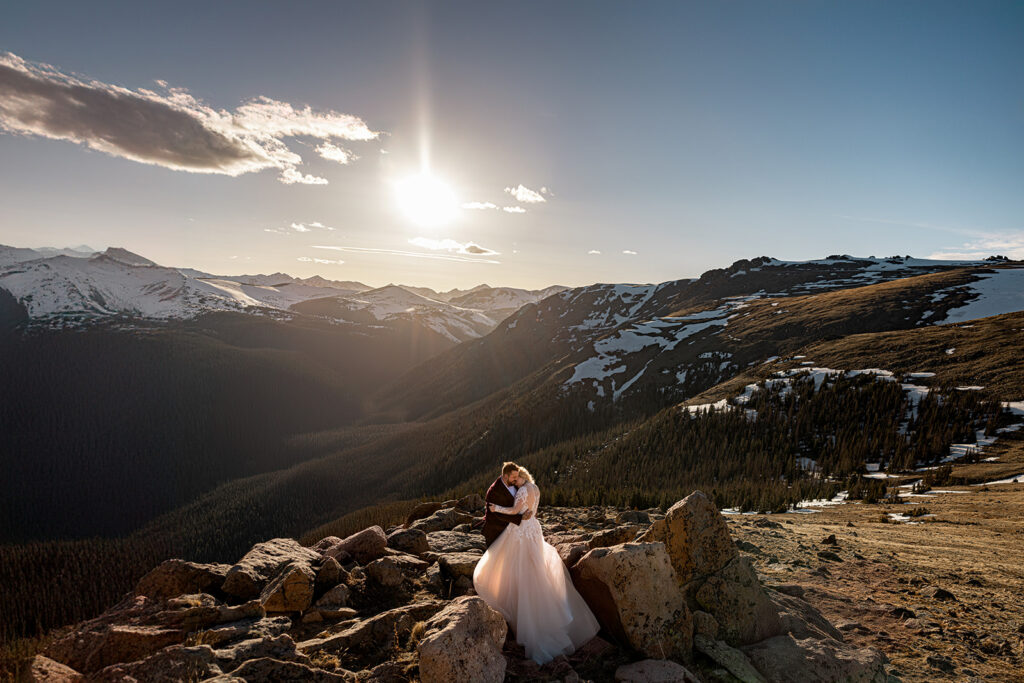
[501, 302]
[118, 282]
[71, 286]
[393, 303]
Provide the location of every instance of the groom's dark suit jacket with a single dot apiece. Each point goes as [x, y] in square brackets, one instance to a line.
[495, 522]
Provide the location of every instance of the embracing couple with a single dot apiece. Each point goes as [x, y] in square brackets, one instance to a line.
[522, 576]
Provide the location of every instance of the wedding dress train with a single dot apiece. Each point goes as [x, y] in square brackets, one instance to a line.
[523, 578]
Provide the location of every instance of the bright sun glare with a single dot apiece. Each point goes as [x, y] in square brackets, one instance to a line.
[425, 200]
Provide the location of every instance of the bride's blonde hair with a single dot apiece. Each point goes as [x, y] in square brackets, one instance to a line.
[526, 474]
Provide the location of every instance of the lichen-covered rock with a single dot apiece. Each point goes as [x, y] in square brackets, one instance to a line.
[99, 645]
[633, 592]
[696, 537]
[178, 577]
[615, 536]
[734, 597]
[455, 565]
[385, 572]
[368, 634]
[654, 671]
[365, 546]
[463, 643]
[330, 574]
[412, 541]
[43, 669]
[246, 629]
[269, 669]
[728, 657]
[455, 541]
[442, 520]
[784, 659]
[170, 665]
[336, 597]
[291, 590]
[281, 647]
[263, 562]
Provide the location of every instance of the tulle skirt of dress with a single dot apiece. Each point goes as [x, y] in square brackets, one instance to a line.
[523, 578]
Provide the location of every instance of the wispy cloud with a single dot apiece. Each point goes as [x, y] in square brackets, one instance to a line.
[450, 245]
[513, 209]
[172, 129]
[479, 206]
[298, 227]
[630, 252]
[526, 195]
[1006, 244]
[410, 254]
[325, 261]
[594, 251]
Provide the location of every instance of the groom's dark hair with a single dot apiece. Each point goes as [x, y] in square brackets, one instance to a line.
[509, 467]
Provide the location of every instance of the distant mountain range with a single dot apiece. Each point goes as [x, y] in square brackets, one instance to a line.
[76, 285]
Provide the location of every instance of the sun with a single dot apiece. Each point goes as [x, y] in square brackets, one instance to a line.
[426, 200]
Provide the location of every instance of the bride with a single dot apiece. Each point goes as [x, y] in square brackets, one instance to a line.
[523, 578]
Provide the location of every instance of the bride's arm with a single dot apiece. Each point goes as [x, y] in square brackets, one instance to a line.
[517, 508]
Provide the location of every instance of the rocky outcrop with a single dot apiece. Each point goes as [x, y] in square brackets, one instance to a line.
[463, 642]
[677, 598]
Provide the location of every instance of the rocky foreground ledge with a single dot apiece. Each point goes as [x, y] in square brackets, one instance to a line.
[675, 600]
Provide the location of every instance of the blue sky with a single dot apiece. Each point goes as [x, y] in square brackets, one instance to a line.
[693, 134]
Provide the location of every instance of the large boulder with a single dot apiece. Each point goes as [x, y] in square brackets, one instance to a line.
[784, 659]
[463, 642]
[178, 577]
[291, 590]
[247, 579]
[696, 537]
[365, 546]
[412, 541]
[385, 572]
[734, 597]
[633, 592]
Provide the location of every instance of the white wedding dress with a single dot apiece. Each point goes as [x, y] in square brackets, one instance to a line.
[523, 578]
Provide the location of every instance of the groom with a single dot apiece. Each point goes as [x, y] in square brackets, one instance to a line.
[502, 492]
